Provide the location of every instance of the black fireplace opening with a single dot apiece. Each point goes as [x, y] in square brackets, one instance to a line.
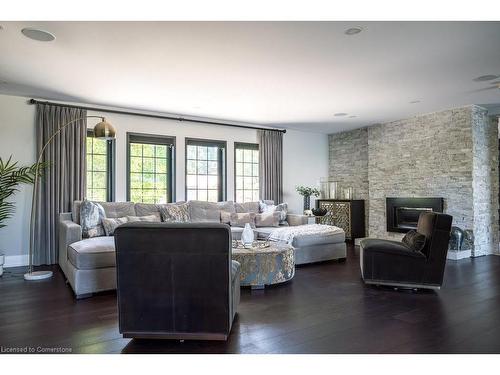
[403, 213]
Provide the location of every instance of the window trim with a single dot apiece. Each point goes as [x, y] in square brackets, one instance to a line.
[222, 194]
[154, 139]
[110, 165]
[247, 146]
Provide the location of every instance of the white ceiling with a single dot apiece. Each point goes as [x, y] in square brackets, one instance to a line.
[284, 74]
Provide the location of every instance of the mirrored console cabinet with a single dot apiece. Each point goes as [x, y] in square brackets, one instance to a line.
[346, 214]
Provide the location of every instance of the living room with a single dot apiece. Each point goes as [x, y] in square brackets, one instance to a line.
[249, 187]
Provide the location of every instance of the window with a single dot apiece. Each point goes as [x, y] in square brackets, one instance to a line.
[100, 163]
[246, 161]
[205, 170]
[150, 168]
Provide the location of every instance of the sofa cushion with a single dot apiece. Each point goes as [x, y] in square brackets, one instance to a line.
[147, 209]
[247, 207]
[92, 253]
[201, 211]
[305, 240]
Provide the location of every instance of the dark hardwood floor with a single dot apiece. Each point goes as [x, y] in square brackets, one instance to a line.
[325, 309]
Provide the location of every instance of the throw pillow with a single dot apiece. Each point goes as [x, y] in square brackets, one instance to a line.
[91, 215]
[238, 219]
[282, 208]
[150, 218]
[267, 219]
[110, 224]
[175, 213]
[414, 241]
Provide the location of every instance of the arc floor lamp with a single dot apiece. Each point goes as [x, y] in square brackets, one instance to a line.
[102, 130]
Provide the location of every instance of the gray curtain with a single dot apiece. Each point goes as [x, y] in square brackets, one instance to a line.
[65, 177]
[271, 165]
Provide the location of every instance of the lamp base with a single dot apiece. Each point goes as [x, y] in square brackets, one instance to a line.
[37, 275]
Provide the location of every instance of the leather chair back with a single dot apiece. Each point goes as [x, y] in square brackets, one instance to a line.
[174, 280]
[437, 228]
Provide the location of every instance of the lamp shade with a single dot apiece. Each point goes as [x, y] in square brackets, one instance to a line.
[104, 130]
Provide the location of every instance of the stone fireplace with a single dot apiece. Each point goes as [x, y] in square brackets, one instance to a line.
[451, 155]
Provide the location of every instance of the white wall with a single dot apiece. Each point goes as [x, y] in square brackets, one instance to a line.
[17, 138]
[305, 159]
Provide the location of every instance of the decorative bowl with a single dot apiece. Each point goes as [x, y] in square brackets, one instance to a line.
[320, 211]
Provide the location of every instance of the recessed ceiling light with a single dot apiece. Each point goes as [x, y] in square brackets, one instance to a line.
[487, 77]
[36, 34]
[353, 30]
[340, 114]
[414, 101]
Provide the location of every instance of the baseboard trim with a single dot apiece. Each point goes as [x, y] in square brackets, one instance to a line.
[456, 255]
[16, 260]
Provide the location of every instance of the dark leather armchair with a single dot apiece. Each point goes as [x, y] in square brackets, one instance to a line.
[385, 262]
[176, 281]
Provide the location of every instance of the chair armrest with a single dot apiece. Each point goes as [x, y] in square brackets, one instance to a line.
[296, 219]
[373, 245]
[69, 232]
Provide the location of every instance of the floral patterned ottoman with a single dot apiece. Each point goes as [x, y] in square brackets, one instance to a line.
[261, 266]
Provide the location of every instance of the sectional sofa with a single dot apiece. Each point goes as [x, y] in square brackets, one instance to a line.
[89, 264]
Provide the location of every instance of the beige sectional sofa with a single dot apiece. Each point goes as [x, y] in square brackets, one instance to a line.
[89, 264]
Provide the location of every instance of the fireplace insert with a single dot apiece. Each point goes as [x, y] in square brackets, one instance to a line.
[402, 213]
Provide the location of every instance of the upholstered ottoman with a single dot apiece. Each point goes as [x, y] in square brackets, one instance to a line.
[262, 266]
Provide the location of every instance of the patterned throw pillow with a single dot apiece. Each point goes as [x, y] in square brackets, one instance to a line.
[148, 218]
[268, 219]
[282, 208]
[414, 240]
[110, 224]
[175, 213]
[238, 219]
[91, 215]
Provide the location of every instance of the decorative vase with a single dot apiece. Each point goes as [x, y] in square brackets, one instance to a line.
[307, 202]
[333, 190]
[247, 236]
[324, 188]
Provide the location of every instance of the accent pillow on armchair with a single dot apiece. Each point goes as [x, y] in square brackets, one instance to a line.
[414, 241]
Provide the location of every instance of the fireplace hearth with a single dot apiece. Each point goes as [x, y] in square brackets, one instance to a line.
[402, 213]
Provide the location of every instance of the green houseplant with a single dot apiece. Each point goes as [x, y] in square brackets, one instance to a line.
[11, 176]
[306, 192]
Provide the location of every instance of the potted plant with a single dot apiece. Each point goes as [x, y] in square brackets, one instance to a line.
[306, 192]
[11, 176]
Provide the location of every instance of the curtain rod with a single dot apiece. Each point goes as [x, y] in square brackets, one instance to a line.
[110, 110]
